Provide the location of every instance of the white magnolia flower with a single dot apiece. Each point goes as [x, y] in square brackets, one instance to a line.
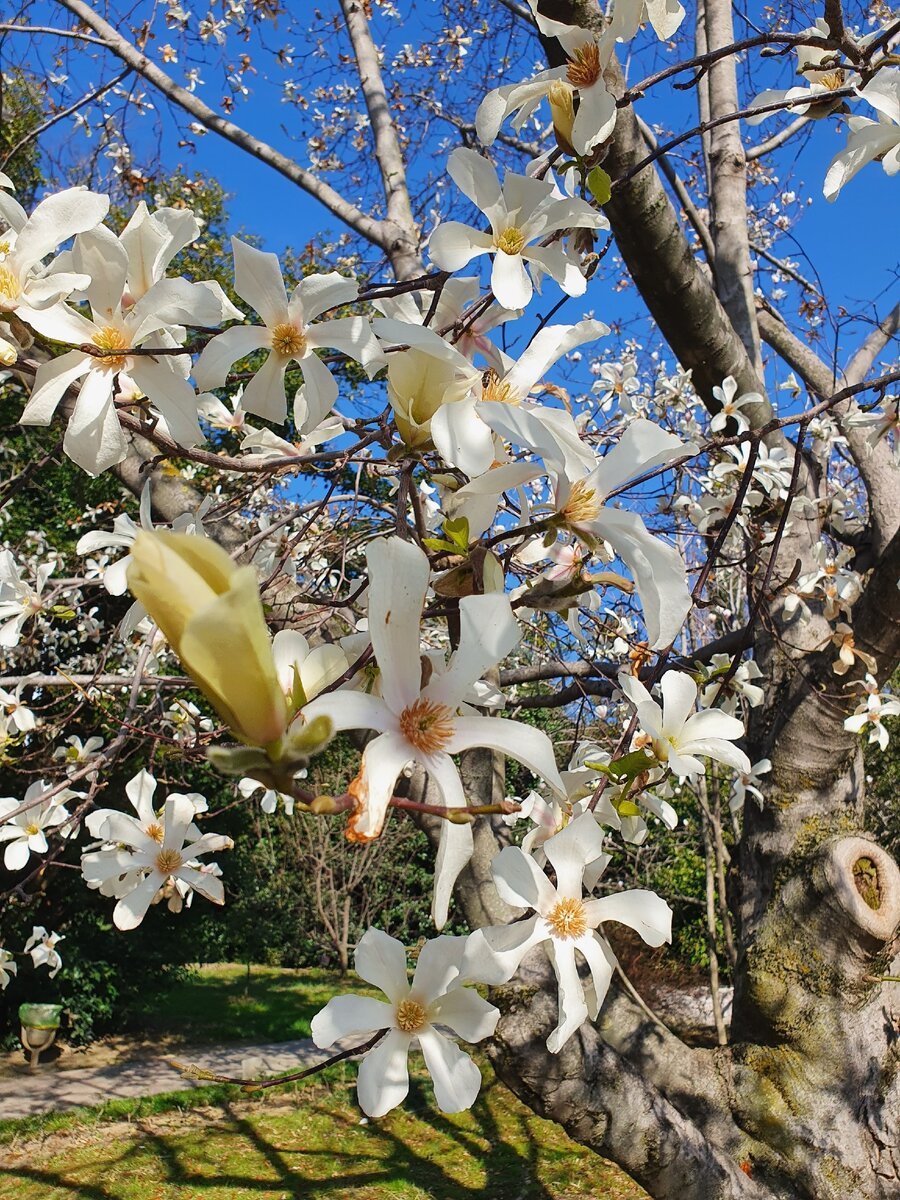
[434, 998]
[580, 493]
[288, 334]
[149, 854]
[427, 724]
[565, 922]
[8, 968]
[94, 439]
[740, 685]
[822, 74]
[270, 798]
[870, 713]
[16, 711]
[749, 783]
[587, 55]
[677, 736]
[42, 948]
[771, 470]
[731, 405]
[25, 286]
[617, 382]
[849, 652]
[25, 833]
[870, 141]
[521, 212]
[218, 416]
[19, 601]
[75, 753]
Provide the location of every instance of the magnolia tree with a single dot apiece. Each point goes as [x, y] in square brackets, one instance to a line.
[400, 498]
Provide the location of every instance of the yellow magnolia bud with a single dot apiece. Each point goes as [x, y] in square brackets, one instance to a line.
[562, 109]
[211, 614]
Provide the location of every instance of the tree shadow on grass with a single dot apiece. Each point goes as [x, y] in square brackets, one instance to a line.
[448, 1158]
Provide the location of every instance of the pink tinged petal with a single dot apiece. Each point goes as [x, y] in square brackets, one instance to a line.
[257, 279]
[462, 438]
[679, 693]
[457, 1080]
[131, 909]
[437, 967]
[573, 1010]
[453, 245]
[213, 365]
[595, 119]
[510, 281]
[94, 438]
[493, 954]
[17, 853]
[381, 960]
[350, 1016]
[320, 390]
[398, 581]
[171, 393]
[56, 219]
[658, 570]
[643, 911]
[319, 293]
[467, 1014]
[456, 843]
[521, 882]
[488, 632]
[264, 394]
[100, 255]
[710, 723]
[642, 447]
[478, 181]
[570, 850]
[383, 1079]
[526, 745]
[50, 384]
[353, 710]
[602, 962]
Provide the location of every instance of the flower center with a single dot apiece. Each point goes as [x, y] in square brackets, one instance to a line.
[427, 726]
[33, 829]
[493, 388]
[112, 342]
[10, 289]
[584, 65]
[583, 504]
[567, 919]
[155, 832]
[832, 80]
[168, 861]
[411, 1016]
[288, 341]
[510, 241]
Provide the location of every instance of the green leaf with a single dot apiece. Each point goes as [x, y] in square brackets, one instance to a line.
[600, 185]
[457, 530]
[439, 544]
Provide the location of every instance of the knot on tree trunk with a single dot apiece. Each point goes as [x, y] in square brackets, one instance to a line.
[822, 943]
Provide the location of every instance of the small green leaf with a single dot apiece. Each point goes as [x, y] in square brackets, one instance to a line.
[439, 544]
[457, 530]
[600, 185]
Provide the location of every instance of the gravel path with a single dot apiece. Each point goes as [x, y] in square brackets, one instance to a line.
[48, 1088]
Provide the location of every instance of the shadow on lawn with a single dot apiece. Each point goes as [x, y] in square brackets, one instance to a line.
[355, 1160]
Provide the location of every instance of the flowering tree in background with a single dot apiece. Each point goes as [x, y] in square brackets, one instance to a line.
[451, 499]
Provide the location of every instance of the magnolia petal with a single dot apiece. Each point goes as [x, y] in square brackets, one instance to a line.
[679, 694]
[349, 1016]
[478, 181]
[710, 723]
[453, 245]
[569, 851]
[641, 448]
[319, 293]
[51, 381]
[382, 761]
[488, 632]
[172, 395]
[398, 580]
[467, 1014]
[595, 119]
[320, 390]
[520, 881]
[56, 219]
[437, 967]
[212, 367]
[457, 1080]
[721, 751]
[643, 911]
[602, 962]
[132, 909]
[383, 1079]
[17, 852]
[526, 745]
[94, 438]
[456, 842]
[510, 281]
[257, 279]
[573, 1010]
[264, 394]
[353, 710]
[461, 437]
[493, 954]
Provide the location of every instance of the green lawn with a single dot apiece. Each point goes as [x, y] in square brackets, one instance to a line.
[300, 1140]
